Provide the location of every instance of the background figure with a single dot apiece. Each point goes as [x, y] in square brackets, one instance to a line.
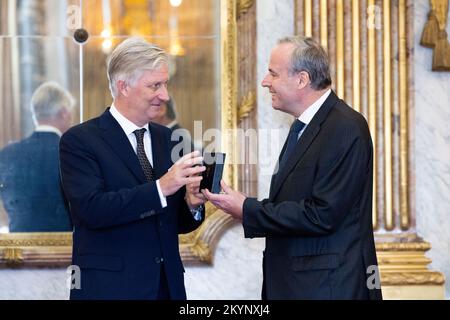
[29, 170]
[167, 116]
[127, 198]
[317, 220]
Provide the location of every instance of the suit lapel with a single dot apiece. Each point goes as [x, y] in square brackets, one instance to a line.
[114, 136]
[160, 163]
[276, 171]
[306, 139]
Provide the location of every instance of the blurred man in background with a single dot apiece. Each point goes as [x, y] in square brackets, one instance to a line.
[29, 169]
[167, 116]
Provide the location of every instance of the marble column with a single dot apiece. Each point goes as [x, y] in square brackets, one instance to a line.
[432, 150]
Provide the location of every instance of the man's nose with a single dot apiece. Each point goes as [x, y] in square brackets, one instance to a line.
[265, 82]
[164, 95]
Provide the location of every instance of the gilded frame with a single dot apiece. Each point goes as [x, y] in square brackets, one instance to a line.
[54, 249]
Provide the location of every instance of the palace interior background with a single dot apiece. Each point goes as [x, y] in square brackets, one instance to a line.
[388, 77]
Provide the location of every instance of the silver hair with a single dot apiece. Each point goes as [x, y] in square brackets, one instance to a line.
[309, 56]
[49, 99]
[130, 59]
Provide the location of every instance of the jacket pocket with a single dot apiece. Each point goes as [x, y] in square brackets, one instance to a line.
[318, 262]
[110, 263]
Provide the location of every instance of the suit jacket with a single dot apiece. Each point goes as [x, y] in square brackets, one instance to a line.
[317, 220]
[121, 232]
[30, 185]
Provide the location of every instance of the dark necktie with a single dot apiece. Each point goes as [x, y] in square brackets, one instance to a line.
[143, 160]
[292, 139]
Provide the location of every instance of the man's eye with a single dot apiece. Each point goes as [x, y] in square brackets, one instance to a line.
[158, 85]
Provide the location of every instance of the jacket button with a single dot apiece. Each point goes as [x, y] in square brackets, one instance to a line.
[158, 260]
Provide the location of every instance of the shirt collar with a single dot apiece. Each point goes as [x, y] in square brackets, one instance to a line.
[172, 124]
[127, 126]
[311, 111]
[47, 128]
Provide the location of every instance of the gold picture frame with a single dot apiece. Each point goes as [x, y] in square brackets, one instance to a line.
[55, 249]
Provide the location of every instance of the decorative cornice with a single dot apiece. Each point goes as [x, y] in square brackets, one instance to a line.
[403, 262]
[412, 278]
[35, 242]
[395, 246]
[13, 256]
[36, 239]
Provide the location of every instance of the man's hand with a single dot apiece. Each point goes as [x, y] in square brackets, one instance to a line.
[194, 197]
[231, 202]
[183, 172]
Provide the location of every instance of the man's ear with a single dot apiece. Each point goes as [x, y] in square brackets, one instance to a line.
[64, 112]
[64, 115]
[122, 87]
[303, 79]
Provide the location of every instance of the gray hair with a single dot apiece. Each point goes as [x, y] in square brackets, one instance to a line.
[48, 99]
[309, 56]
[130, 59]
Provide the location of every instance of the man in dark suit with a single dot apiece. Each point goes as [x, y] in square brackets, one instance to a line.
[30, 184]
[127, 198]
[317, 220]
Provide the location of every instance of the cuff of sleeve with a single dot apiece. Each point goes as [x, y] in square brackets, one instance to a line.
[162, 198]
[251, 230]
[197, 212]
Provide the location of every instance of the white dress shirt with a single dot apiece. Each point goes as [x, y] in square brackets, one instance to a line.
[311, 111]
[129, 127]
